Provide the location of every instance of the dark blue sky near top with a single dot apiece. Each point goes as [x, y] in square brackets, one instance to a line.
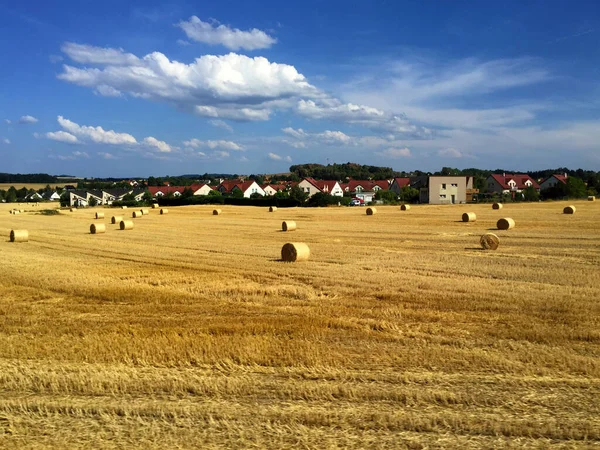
[153, 88]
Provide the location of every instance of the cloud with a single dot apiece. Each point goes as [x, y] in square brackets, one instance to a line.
[450, 153]
[395, 153]
[55, 58]
[232, 38]
[107, 91]
[182, 43]
[220, 154]
[96, 134]
[154, 143]
[218, 144]
[369, 117]
[221, 124]
[89, 54]
[62, 136]
[71, 156]
[276, 157]
[333, 138]
[229, 86]
[28, 119]
[106, 155]
[7, 121]
[6, 141]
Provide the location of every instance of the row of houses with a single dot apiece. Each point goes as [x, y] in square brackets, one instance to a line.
[432, 189]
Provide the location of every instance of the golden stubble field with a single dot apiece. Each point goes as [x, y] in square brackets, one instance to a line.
[399, 332]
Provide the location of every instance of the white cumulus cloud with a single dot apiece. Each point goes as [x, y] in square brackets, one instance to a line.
[28, 119]
[221, 124]
[6, 141]
[232, 38]
[450, 152]
[7, 121]
[62, 136]
[96, 134]
[106, 155]
[161, 146]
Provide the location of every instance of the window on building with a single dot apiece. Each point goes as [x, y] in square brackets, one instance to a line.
[444, 186]
[454, 184]
[442, 195]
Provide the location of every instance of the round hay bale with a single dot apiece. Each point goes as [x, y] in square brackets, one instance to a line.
[497, 206]
[295, 251]
[469, 217]
[569, 209]
[99, 215]
[489, 241]
[272, 208]
[145, 211]
[123, 207]
[216, 212]
[116, 219]
[126, 225]
[72, 209]
[505, 224]
[371, 211]
[164, 211]
[154, 205]
[288, 225]
[15, 211]
[136, 214]
[19, 235]
[591, 198]
[97, 228]
[404, 207]
[21, 211]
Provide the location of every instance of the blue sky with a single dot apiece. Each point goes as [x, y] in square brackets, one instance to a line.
[151, 88]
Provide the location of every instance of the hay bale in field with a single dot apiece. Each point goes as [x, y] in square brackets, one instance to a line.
[469, 217]
[489, 241]
[126, 225]
[123, 207]
[497, 206]
[145, 211]
[97, 228]
[505, 224]
[154, 205]
[272, 208]
[288, 225]
[72, 209]
[404, 207]
[21, 210]
[295, 251]
[19, 235]
[591, 198]
[371, 211]
[164, 211]
[216, 212]
[116, 219]
[99, 215]
[136, 214]
[569, 209]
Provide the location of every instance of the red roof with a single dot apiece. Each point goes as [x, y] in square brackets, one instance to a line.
[165, 189]
[519, 179]
[367, 185]
[229, 185]
[401, 182]
[560, 177]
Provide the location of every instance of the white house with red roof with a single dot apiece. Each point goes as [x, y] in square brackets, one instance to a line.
[553, 180]
[365, 189]
[248, 187]
[312, 186]
[272, 189]
[506, 183]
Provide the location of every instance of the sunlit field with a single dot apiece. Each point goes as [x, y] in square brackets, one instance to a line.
[35, 186]
[399, 332]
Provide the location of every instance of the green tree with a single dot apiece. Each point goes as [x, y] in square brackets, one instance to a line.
[409, 195]
[237, 193]
[576, 187]
[215, 193]
[531, 194]
[93, 202]
[147, 198]
[298, 194]
[386, 196]
[11, 195]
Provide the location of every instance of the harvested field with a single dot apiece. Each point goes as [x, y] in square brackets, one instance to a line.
[182, 333]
